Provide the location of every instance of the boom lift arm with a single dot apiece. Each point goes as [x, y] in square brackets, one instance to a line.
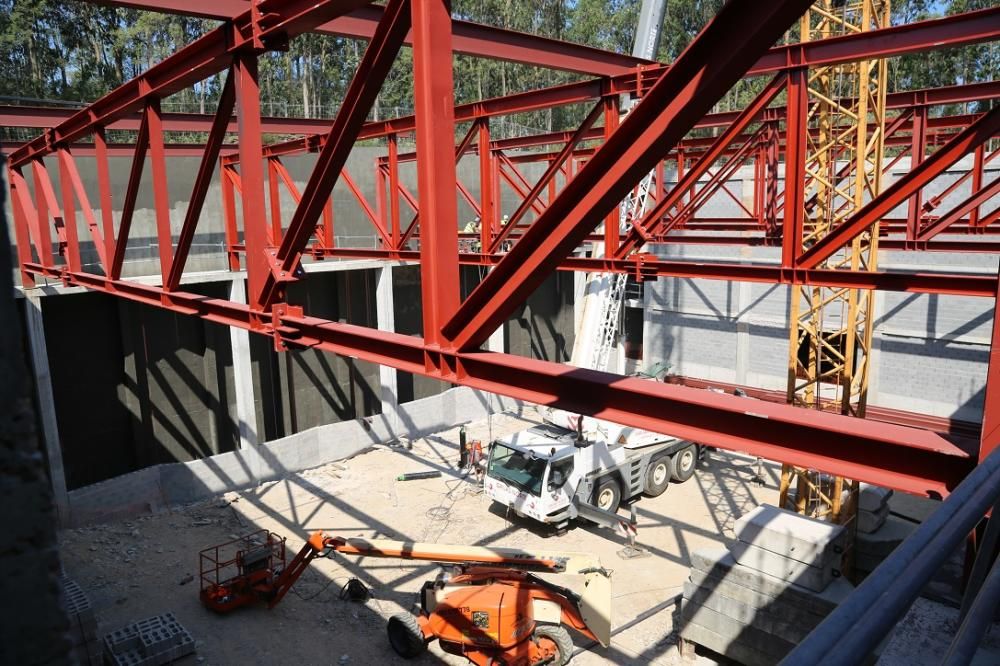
[261, 575]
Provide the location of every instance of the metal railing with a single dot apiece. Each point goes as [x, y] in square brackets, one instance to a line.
[850, 634]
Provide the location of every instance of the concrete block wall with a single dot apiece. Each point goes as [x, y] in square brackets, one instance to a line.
[929, 352]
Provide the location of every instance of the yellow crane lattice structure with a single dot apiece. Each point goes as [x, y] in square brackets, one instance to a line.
[830, 332]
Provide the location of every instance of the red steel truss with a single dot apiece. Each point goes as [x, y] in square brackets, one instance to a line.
[598, 167]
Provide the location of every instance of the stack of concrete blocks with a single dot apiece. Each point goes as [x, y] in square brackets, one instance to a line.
[156, 640]
[756, 601]
[86, 646]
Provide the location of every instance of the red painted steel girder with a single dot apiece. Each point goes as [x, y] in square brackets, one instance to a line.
[908, 459]
[469, 38]
[961, 29]
[45, 117]
[205, 56]
[646, 267]
[901, 190]
[687, 90]
[972, 202]
[360, 96]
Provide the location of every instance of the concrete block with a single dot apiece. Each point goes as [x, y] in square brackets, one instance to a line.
[733, 649]
[884, 540]
[777, 619]
[776, 646]
[787, 569]
[785, 604]
[872, 498]
[720, 564]
[790, 535]
[149, 642]
[871, 521]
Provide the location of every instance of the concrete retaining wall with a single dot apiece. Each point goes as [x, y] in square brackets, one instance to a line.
[154, 488]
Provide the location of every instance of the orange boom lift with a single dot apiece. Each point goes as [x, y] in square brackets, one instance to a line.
[492, 608]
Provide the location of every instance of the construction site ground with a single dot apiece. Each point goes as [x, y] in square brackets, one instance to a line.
[149, 565]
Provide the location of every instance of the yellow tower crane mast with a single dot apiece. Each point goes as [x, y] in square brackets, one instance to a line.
[830, 332]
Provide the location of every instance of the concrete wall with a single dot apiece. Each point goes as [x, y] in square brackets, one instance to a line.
[33, 622]
[351, 226]
[930, 352]
[160, 486]
[301, 389]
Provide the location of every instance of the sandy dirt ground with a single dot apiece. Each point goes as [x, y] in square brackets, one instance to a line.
[139, 568]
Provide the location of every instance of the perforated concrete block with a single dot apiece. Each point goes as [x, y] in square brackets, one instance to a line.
[807, 540]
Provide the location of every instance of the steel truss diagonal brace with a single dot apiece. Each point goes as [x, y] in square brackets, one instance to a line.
[685, 92]
[360, 96]
[897, 193]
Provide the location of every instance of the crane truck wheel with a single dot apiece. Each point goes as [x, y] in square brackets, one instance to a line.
[683, 463]
[658, 475]
[405, 636]
[608, 495]
[554, 637]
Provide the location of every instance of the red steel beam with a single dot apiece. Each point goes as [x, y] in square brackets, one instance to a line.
[358, 100]
[961, 29]
[202, 181]
[690, 178]
[436, 173]
[687, 90]
[469, 38]
[644, 267]
[970, 205]
[983, 129]
[908, 459]
[203, 57]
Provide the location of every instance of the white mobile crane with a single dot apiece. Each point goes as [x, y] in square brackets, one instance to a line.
[575, 466]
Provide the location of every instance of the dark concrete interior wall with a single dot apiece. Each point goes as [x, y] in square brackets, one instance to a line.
[136, 386]
[543, 327]
[301, 389]
[408, 316]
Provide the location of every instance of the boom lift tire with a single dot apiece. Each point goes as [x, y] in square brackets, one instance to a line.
[684, 463]
[563, 642]
[405, 635]
[608, 495]
[658, 475]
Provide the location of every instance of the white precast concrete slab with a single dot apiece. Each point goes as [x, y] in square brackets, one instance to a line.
[790, 535]
[812, 577]
[720, 564]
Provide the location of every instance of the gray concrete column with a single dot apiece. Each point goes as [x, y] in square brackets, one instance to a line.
[386, 320]
[46, 405]
[246, 415]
